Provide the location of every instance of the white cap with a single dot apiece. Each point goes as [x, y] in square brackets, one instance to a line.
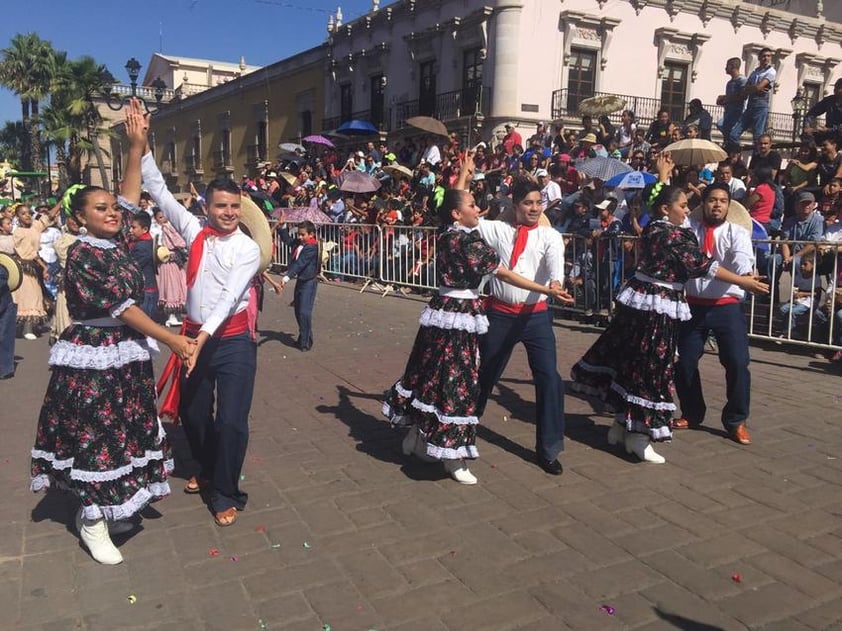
[541, 173]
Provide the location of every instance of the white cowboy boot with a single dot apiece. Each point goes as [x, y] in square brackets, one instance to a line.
[458, 470]
[119, 527]
[94, 534]
[639, 445]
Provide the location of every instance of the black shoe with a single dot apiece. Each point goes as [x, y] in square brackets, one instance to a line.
[553, 467]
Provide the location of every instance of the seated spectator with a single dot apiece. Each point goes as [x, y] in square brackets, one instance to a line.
[640, 146]
[580, 280]
[806, 292]
[765, 156]
[800, 173]
[739, 169]
[659, 131]
[569, 176]
[579, 224]
[799, 234]
[676, 134]
[550, 189]
[691, 131]
[587, 128]
[625, 132]
[638, 160]
[831, 200]
[724, 174]
[605, 129]
[830, 161]
[700, 118]
[761, 200]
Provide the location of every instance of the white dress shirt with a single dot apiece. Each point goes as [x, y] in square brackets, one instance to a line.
[542, 259]
[733, 250]
[228, 263]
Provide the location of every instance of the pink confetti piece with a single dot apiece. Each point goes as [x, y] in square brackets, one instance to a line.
[608, 609]
[736, 578]
[234, 559]
[261, 529]
[214, 552]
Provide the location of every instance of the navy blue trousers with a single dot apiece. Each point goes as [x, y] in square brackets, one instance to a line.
[728, 325]
[8, 329]
[304, 299]
[224, 375]
[535, 332]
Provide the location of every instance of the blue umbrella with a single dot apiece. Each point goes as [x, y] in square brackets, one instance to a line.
[632, 179]
[358, 127]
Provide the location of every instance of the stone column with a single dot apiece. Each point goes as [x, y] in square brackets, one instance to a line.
[505, 49]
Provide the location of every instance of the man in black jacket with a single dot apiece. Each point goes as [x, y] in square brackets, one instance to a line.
[305, 267]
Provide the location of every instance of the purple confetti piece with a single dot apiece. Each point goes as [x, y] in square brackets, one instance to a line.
[607, 609]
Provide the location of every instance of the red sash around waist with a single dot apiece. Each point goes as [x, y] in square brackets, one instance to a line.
[710, 302]
[521, 308]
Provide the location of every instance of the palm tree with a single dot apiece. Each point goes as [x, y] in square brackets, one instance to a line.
[12, 141]
[72, 120]
[26, 69]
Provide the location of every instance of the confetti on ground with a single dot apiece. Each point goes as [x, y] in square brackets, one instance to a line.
[261, 529]
[242, 477]
[307, 546]
[326, 627]
[736, 578]
[607, 609]
[276, 545]
[262, 625]
[234, 559]
[214, 552]
[505, 419]
[131, 598]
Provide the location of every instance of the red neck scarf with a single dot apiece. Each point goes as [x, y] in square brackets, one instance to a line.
[306, 241]
[520, 243]
[144, 237]
[197, 248]
[708, 245]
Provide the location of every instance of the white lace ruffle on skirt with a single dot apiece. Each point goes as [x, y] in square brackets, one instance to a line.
[451, 320]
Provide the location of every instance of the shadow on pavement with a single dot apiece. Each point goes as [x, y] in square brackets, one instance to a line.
[685, 624]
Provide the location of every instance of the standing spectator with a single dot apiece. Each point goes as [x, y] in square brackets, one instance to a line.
[758, 87]
[172, 280]
[734, 99]
[550, 190]
[8, 315]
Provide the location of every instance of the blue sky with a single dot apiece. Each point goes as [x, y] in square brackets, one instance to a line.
[112, 31]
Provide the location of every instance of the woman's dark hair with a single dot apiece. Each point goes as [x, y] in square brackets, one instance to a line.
[716, 186]
[667, 196]
[631, 115]
[79, 197]
[453, 198]
[523, 187]
[812, 150]
[763, 175]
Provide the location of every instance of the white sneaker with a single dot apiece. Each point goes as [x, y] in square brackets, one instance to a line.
[172, 321]
[94, 535]
[640, 446]
[459, 471]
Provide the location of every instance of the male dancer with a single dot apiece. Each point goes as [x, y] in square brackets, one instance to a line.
[516, 315]
[222, 263]
[715, 307]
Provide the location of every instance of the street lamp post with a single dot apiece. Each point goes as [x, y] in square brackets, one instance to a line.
[117, 101]
[799, 104]
[133, 68]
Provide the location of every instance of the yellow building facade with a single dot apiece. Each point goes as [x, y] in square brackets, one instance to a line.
[229, 129]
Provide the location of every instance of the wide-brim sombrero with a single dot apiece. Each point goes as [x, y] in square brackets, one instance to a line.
[12, 266]
[253, 222]
[737, 214]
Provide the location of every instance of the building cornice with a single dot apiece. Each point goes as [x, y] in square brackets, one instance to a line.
[767, 20]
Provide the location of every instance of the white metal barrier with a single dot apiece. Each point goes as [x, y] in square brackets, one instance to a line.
[804, 309]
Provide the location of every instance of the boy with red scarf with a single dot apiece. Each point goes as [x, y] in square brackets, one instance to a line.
[305, 267]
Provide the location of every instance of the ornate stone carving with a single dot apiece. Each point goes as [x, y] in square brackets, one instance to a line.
[587, 34]
[737, 19]
[706, 13]
[639, 5]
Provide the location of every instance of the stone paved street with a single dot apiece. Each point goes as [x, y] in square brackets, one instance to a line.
[342, 530]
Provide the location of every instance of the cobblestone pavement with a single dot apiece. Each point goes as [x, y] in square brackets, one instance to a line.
[343, 531]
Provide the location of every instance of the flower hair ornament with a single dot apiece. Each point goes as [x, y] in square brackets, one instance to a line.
[67, 199]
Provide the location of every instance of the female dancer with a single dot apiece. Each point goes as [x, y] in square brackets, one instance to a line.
[172, 279]
[631, 364]
[98, 431]
[29, 297]
[437, 394]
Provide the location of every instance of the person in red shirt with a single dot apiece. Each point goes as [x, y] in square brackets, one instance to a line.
[511, 139]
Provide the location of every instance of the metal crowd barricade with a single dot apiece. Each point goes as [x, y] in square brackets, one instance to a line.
[403, 258]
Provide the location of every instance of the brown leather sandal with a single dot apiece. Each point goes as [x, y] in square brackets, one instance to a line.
[226, 517]
[193, 486]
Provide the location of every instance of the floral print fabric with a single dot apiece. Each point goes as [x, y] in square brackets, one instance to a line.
[631, 364]
[440, 385]
[98, 431]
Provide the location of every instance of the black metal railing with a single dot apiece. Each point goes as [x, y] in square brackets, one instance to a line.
[448, 106]
[565, 105]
